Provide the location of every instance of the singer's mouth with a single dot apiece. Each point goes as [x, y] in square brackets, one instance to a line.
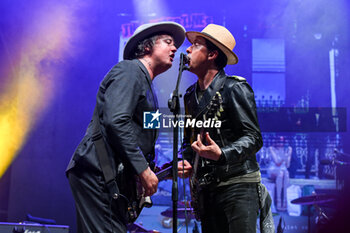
[172, 57]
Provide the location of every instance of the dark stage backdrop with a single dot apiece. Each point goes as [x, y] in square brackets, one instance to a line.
[88, 35]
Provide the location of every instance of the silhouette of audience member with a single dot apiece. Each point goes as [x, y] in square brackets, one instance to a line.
[280, 157]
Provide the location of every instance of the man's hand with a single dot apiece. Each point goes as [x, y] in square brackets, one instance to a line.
[184, 169]
[210, 151]
[149, 181]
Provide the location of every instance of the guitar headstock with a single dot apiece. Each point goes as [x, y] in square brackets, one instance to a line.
[211, 116]
[214, 107]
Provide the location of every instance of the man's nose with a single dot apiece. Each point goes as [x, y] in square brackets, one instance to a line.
[174, 48]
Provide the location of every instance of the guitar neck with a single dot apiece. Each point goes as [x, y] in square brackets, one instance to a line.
[161, 175]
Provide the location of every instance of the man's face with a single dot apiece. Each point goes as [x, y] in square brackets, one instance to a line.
[198, 54]
[163, 52]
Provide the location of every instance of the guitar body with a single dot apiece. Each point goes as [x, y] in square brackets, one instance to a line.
[132, 191]
[195, 202]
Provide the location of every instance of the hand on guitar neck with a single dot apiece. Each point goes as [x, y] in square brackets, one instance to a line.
[210, 150]
[184, 169]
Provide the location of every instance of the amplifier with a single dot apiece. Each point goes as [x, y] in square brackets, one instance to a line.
[8, 227]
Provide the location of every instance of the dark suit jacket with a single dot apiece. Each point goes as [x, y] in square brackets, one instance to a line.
[124, 94]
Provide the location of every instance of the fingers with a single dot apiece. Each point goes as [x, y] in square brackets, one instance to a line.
[197, 145]
[149, 181]
[180, 169]
[184, 174]
[208, 139]
[150, 191]
[199, 141]
[152, 186]
[184, 165]
[198, 137]
[184, 169]
[187, 164]
[209, 151]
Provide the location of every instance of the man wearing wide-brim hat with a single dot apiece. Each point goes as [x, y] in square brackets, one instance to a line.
[115, 144]
[226, 188]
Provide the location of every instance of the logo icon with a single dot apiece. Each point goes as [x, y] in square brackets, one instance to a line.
[151, 120]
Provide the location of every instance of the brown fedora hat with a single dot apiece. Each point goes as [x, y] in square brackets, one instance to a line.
[219, 36]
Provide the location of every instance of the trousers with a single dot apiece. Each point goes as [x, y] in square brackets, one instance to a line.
[230, 208]
[96, 212]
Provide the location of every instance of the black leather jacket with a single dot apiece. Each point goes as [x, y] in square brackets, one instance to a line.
[240, 133]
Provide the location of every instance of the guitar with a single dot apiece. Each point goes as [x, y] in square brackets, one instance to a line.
[213, 111]
[136, 200]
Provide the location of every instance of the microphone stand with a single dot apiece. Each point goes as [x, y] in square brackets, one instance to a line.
[174, 106]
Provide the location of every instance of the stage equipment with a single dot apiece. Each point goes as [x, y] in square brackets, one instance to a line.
[341, 162]
[315, 200]
[333, 161]
[32, 227]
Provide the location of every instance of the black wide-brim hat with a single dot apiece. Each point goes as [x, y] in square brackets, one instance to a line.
[146, 30]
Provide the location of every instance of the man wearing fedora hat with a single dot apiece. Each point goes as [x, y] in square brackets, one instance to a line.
[115, 144]
[227, 173]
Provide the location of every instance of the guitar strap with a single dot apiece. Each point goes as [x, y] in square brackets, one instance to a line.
[103, 158]
[217, 88]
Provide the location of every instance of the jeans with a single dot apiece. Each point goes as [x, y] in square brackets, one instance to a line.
[231, 208]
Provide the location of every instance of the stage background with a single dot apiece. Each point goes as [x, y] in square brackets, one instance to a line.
[295, 55]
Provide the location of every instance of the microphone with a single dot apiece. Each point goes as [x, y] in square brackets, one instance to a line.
[184, 58]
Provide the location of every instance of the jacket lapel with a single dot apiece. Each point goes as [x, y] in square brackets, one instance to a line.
[153, 93]
[149, 81]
